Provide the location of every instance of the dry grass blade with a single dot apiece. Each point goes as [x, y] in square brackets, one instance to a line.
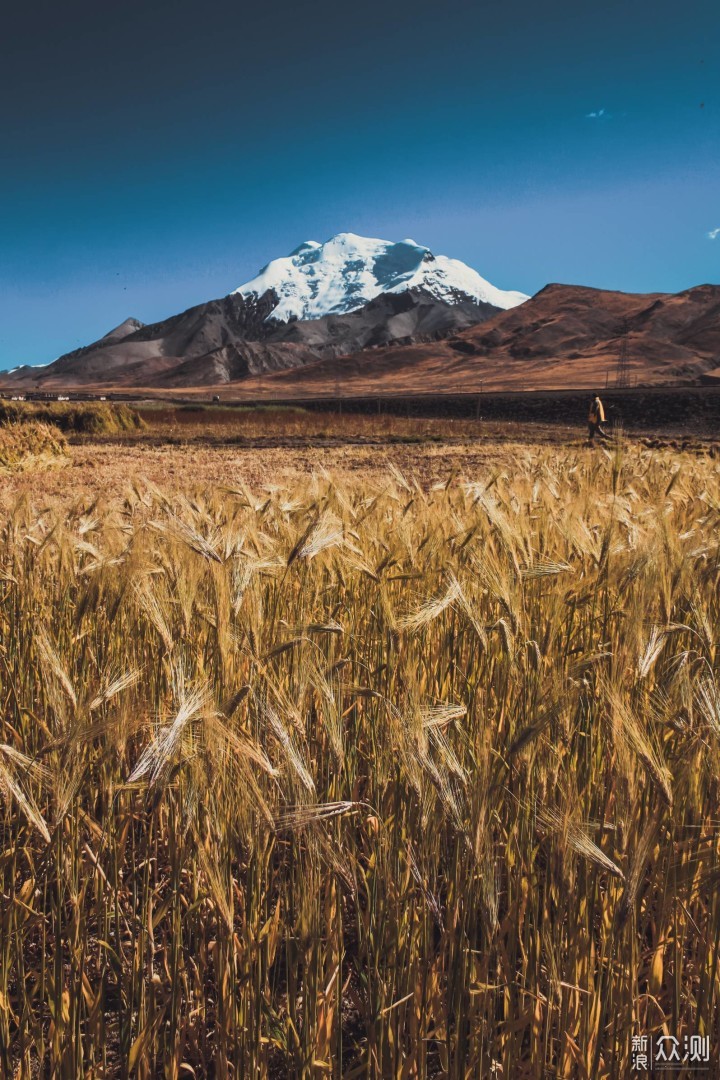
[11, 788]
[54, 668]
[157, 759]
[114, 686]
[651, 652]
[547, 568]
[576, 838]
[329, 532]
[707, 698]
[292, 755]
[299, 817]
[627, 726]
[440, 716]
[429, 610]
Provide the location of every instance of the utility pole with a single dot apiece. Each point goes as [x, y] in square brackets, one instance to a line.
[622, 374]
[478, 403]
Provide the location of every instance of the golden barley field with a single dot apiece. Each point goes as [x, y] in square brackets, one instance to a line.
[351, 775]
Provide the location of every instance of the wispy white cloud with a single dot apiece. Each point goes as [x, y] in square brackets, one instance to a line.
[713, 234]
[598, 114]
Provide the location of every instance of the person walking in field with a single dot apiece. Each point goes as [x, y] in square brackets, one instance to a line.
[596, 418]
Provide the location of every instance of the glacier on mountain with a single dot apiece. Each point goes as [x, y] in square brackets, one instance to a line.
[348, 271]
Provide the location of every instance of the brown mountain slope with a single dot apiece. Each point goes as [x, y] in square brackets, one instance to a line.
[235, 337]
[564, 336]
[210, 344]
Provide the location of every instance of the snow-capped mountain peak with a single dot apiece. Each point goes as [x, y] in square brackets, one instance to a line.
[348, 271]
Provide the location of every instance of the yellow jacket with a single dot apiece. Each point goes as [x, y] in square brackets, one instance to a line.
[597, 413]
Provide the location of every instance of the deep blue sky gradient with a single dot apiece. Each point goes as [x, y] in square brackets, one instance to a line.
[155, 155]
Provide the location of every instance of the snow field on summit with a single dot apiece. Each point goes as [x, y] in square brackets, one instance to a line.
[348, 271]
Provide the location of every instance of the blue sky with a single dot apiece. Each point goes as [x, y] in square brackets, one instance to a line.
[156, 155]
